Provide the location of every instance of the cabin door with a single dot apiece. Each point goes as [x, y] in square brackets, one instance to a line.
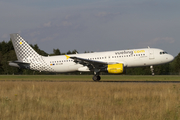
[151, 54]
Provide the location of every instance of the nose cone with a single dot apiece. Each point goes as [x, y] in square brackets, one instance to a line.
[170, 58]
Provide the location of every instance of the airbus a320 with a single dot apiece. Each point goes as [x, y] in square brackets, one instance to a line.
[114, 62]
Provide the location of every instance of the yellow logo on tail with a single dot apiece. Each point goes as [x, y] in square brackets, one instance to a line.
[67, 57]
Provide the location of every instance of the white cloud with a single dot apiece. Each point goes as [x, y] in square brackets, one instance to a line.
[102, 14]
[106, 14]
[47, 24]
[66, 23]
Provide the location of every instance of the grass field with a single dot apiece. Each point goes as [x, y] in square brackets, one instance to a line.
[40, 99]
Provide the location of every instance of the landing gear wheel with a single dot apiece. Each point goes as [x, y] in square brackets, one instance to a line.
[153, 74]
[99, 78]
[96, 78]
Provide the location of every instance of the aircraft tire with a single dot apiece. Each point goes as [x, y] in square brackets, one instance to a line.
[99, 78]
[96, 78]
[153, 74]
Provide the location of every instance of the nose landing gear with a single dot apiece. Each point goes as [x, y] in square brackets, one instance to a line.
[152, 70]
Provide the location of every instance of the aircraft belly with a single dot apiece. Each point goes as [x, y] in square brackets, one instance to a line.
[66, 68]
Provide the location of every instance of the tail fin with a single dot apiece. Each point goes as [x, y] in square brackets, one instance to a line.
[27, 57]
[22, 48]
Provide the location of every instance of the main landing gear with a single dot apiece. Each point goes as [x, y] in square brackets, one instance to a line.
[96, 78]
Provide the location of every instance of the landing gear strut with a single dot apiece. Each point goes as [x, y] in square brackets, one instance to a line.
[96, 78]
[152, 70]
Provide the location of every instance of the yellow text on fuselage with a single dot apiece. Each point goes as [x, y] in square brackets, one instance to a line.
[139, 51]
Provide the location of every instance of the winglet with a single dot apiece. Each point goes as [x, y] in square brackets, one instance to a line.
[67, 57]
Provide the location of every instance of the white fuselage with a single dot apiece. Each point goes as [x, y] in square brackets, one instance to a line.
[129, 58]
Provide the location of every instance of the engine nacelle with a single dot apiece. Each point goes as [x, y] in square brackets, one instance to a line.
[115, 68]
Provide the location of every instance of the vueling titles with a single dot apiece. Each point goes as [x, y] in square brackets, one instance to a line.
[129, 52]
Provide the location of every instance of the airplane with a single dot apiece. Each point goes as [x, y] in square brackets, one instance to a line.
[114, 62]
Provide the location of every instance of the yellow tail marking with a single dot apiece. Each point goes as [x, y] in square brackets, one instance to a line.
[67, 57]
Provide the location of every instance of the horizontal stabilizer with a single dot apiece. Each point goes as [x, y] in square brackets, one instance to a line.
[19, 64]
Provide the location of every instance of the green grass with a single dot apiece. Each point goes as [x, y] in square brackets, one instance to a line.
[89, 78]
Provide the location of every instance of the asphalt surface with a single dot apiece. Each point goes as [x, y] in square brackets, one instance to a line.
[90, 81]
[143, 81]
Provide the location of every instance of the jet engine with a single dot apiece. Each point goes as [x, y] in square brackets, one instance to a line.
[115, 68]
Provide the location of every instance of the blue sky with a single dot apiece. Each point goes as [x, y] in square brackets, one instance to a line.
[96, 25]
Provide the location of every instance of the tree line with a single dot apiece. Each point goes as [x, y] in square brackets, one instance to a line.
[7, 53]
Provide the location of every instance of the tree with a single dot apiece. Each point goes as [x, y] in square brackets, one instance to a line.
[9, 56]
[177, 64]
[4, 47]
[138, 71]
[69, 52]
[73, 52]
[56, 52]
[1, 69]
[36, 48]
[162, 69]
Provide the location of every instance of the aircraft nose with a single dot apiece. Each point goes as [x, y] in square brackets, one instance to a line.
[170, 58]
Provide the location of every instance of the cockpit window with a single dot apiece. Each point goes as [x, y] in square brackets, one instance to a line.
[163, 52]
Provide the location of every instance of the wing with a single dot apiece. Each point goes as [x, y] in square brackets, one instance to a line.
[93, 65]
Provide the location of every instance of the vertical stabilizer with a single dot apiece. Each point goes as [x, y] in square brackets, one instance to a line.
[26, 54]
[22, 48]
